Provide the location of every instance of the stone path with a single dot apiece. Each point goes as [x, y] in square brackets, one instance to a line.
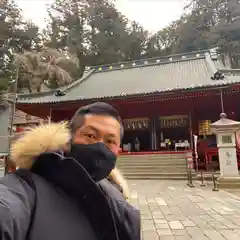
[1, 172]
[171, 210]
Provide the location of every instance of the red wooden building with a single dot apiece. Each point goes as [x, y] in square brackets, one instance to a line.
[160, 99]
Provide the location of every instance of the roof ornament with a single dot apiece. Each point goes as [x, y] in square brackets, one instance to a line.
[223, 115]
[59, 93]
[218, 76]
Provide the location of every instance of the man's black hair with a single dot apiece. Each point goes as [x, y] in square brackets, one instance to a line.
[98, 108]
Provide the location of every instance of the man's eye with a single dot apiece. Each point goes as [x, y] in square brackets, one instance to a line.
[111, 142]
[91, 136]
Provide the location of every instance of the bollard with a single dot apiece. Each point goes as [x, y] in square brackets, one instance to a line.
[188, 179]
[190, 182]
[202, 180]
[189, 171]
[215, 187]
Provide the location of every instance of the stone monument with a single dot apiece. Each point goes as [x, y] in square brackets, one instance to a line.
[225, 130]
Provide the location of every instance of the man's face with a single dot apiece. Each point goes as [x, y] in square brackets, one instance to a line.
[99, 128]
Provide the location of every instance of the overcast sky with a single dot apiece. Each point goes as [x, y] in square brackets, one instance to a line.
[151, 14]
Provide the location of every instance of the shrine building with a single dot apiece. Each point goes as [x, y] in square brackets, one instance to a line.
[163, 101]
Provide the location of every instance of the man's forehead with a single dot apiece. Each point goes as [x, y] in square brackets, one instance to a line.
[102, 121]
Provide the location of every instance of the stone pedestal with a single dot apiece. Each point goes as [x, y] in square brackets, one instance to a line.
[228, 161]
[225, 130]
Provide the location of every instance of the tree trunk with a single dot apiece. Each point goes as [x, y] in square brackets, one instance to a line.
[81, 59]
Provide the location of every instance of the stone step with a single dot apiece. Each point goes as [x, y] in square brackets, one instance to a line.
[176, 170]
[150, 157]
[157, 166]
[163, 176]
[151, 160]
[152, 165]
[155, 169]
[158, 177]
[151, 172]
[160, 164]
[144, 174]
[153, 154]
[146, 158]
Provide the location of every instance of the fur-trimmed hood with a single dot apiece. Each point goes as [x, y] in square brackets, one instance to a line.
[49, 138]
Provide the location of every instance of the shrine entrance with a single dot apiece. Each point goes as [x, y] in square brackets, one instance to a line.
[137, 135]
[173, 132]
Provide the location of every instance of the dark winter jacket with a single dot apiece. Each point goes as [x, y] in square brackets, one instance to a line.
[53, 197]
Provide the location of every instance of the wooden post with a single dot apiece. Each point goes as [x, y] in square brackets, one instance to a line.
[154, 134]
[191, 132]
[189, 161]
[50, 116]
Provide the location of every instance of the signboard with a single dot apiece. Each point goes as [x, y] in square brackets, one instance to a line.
[204, 127]
[175, 121]
[226, 139]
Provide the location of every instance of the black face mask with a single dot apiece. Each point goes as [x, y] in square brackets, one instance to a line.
[96, 158]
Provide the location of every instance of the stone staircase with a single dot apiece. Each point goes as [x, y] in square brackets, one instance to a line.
[154, 166]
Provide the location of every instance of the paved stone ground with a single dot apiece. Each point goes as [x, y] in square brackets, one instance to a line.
[1, 172]
[171, 210]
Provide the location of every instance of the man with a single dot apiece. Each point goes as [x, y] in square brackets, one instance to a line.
[60, 190]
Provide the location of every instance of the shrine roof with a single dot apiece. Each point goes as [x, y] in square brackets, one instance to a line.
[189, 71]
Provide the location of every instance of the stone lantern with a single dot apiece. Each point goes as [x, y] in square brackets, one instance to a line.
[225, 130]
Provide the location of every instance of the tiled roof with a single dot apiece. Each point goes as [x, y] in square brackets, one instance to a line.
[163, 74]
